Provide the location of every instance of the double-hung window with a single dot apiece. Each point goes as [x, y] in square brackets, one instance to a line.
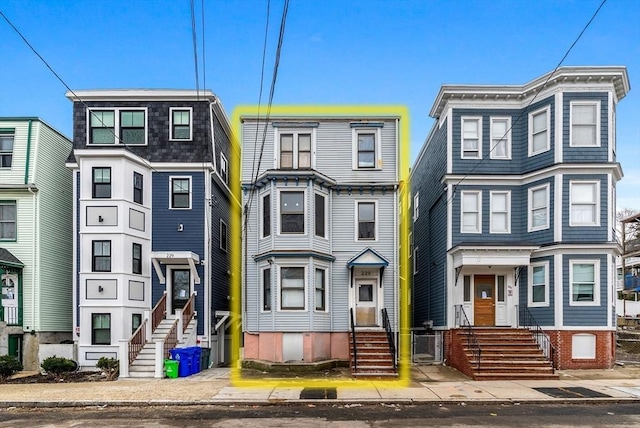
[416, 206]
[585, 124]
[539, 135]
[101, 329]
[500, 138]
[224, 174]
[584, 282]
[102, 127]
[292, 289]
[367, 224]
[8, 220]
[500, 212]
[6, 149]
[101, 256]
[180, 192]
[584, 203]
[137, 188]
[223, 235]
[101, 183]
[295, 150]
[266, 289]
[366, 152]
[471, 137]
[117, 126]
[266, 215]
[136, 259]
[539, 208]
[180, 127]
[539, 284]
[320, 217]
[292, 212]
[321, 290]
[471, 212]
[132, 127]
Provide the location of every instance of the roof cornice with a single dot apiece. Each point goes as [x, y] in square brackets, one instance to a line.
[141, 95]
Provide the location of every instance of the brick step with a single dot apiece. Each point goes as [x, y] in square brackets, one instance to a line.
[514, 376]
[506, 345]
[380, 362]
[520, 364]
[503, 357]
[375, 369]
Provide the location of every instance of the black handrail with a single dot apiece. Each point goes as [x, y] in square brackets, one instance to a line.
[353, 341]
[472, 340]
[526, 319]
[392, 343]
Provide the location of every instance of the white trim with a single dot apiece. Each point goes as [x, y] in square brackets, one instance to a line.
[544, 110]
[597, 105]
[325, 269]
[449, 141]
[530, 227]
[171, 110]
[508, 211]
[596, 282]
[180, 177]
[478, 194]
[277, 133]
[226, 243]
[261, 270]
[261, 213]
[558, 140]
[326, 215]
[478, 120]
[530, 302]
[611, 116]
[378, 148]
[376, 220]
[292, 264]
[596, 203]
[116, 125]
[507, 137]
[416, 206]
[558, 290]
[557, 207]
[224, 168]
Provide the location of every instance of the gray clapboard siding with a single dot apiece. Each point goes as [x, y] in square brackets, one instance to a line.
[585, 315]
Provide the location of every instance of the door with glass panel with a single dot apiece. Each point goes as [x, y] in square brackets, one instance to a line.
[180, 288]
[366, 303]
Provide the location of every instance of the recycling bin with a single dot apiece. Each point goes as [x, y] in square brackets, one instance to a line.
[205, 358]
[183, 356]
[194, 356]
[171, 368]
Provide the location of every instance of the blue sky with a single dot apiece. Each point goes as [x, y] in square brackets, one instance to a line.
[334, 52]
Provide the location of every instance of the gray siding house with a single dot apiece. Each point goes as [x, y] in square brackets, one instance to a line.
[514, 213]
[320, 198]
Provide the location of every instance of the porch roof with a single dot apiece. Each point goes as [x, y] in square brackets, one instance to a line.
[492, 255]
[8, 259]
[368, 257]
[175, 258]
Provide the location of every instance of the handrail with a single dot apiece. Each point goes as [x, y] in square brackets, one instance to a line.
[353, 341]
[159, 312]
[137, 341]
[392, 343]
[188, 312]
[472, 340]
[526, 319]
[171, 339]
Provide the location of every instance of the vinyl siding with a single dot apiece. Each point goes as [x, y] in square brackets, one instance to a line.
[544, 159]
[220, 261]
[543, 236]
[585, 315]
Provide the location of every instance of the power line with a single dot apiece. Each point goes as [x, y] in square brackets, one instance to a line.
[195, 47]
[204, 65]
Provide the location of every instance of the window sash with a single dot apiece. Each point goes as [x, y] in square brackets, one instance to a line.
[223, 235]
[102, 125]
[8, 220]
[539, 203]
[101, 256]
[137, 188]
[136, 262]
[539, 132]
[320, 296]
[100, 329]
[500, 137]
[266, 289]
[470, 212]
[366, 221]
[366, 150]
[266, 216]
[470, 138]
[180, 193]
[583, 282]
[292, 212]
[6, 150]
[538, 284]
[181, 124]
[584, 122]
[583, 203]
[132, 129]
[320, 215]
[292, 288]
[101, 186]
[500, 212]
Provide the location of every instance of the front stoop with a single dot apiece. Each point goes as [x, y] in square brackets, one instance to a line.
[374, 360]
[506, 353]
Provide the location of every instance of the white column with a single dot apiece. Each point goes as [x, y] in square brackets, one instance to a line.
[124, 357]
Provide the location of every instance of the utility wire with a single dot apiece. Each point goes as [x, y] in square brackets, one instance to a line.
[195, 47]
[204, 65]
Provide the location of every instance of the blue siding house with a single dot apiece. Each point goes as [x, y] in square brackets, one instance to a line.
[514, 215]
[152, 196]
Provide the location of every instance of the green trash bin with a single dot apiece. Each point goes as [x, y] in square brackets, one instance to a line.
[171, 368]
[205, 358]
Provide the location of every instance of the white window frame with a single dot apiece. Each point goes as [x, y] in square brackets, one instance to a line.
[116, 125]
[9, 135]
[596, 203]
[326, 215]
[225, 241]
[304, 291]
[262, 211]
[530, 302]
[594, 103]
[262, 284]
[596, 280]
[415, 260]
[478, 194]
[171, 136]
[325, 269]
[547, 112]
[295, 132]
[416, 206]
[377, 145]
[530, 225]
[357, 220]
[224, 174]
[180, 177]
[507, 212]
[305, 212]
[14, 204]
[506, 139]
[477, 119]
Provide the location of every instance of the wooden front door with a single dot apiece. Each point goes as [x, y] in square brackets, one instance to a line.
[181, 288]
[484, 302]
[366, 307]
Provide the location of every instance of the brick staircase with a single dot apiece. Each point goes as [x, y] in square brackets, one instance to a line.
[506, 353]
[374, 359]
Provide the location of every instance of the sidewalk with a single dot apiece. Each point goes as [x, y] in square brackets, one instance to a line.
[430, 384]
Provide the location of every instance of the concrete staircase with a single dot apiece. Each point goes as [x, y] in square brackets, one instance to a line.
[374, 358]
[506, 353]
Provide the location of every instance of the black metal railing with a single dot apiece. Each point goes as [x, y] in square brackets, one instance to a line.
[526, 319]
[353, 340]
[392, 343]
[472, 340]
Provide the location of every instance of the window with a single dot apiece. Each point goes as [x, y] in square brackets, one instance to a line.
[584, 203]
[321, 291]
[539, 139]
[292, 288]
[500, 138]
[366, 221]
[8, 220]
[415, 260]
[180, 123]
[223, 168]
[180, 192]
[101, 329]
[6, 149]
[137, 188]
[101, 256]
[101, 183]
[223, 235]
[129, 125]
[539, 208]
[500, 212]
[266, 215]
[266, 289]
[292, 212]
[136, 259]
[366, 147]
[102, 127]
[416, 206]
[471, 212]
[584, 282]
[471, 138]
[585, 124]
[466, 291]
[132, 127]
[320, 215]
[295, 150]
[136, 320]
[538, 288]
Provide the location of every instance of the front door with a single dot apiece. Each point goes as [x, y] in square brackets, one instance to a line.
[484, 305]
[366, 307]
[180, 288]
[9, 298]
[15, 346]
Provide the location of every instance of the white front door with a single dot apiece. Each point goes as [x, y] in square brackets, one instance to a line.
[366, 299]
[10, 298]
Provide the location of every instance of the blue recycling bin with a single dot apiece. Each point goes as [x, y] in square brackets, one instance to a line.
[183, 356]
[195, 359]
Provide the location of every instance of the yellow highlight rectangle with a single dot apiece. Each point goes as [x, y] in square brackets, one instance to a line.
[404, 272]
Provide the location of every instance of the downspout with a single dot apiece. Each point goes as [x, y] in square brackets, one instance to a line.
[36, 230]
[26, 169]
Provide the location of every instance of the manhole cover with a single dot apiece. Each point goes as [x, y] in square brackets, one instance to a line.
[571, 392]
[318, 393]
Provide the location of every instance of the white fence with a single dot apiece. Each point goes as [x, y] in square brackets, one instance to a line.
[627, 308]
